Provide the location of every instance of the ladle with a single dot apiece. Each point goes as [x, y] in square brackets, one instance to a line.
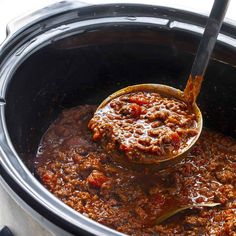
[193, 86]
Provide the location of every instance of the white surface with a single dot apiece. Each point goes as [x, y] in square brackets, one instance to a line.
[10, 9]
[22, 220]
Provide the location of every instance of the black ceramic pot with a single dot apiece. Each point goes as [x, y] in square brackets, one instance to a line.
[70, 54]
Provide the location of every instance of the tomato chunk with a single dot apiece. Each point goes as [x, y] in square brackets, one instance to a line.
[96, 178]
[124, 148]
[138, 100]
[47, 177]
[175, 139]
[135, 110]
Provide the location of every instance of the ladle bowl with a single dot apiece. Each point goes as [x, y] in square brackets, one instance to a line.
[165, 91]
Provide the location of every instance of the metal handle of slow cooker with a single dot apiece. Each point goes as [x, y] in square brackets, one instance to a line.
[24, 21]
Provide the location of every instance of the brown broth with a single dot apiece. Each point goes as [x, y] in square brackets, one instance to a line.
[84, 176]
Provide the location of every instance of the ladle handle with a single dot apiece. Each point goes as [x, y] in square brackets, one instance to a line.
[205, 48]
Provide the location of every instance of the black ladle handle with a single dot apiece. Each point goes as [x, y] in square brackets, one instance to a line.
[205, 48]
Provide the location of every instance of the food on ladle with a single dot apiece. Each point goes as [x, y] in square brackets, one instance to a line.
[144, 125]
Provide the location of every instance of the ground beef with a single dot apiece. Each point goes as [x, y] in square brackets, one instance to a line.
[145, 126]
[85, 177]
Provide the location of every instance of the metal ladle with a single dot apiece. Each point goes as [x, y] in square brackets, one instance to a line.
[193, 86]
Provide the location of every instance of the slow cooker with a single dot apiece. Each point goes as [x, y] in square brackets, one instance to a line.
[72, 53]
